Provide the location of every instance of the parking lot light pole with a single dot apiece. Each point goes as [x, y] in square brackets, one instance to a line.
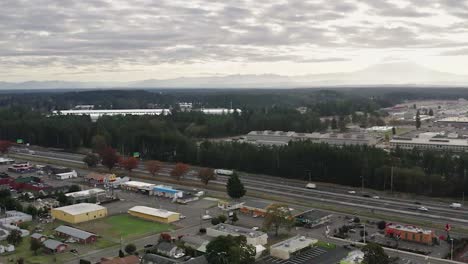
[451, 249]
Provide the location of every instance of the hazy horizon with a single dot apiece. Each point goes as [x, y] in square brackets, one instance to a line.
[132, 41]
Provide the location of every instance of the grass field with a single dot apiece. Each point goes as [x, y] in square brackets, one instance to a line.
[124, 225]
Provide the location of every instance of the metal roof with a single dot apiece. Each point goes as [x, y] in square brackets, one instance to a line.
[76, 209]
[152, 211]
[52, 244]
[74, 232]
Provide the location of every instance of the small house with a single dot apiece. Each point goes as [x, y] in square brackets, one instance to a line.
[53, 246]
[39, 237]
[169, 249]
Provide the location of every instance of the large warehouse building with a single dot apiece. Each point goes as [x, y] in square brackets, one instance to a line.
[153, 214]
[78, 213]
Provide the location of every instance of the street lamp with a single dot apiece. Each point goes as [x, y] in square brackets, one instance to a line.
[451, 249]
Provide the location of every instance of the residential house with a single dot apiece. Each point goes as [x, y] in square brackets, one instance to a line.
[79, 235]
[169, 249]
[54, 246]
[131, 259]
[39, 237]
[157, 259]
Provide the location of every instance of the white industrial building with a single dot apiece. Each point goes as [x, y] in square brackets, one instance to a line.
[13, 217]
[269, 137]
[86, 194]
[95, 114]
[219, 111]
[286, 248]
[430, 143]
[137, 186]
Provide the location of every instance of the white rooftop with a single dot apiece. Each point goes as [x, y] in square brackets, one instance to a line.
[455, 119]
[152, 211]
[85, 193]
[294, 244]
[138, 184]
[76, 209]
[432, 141]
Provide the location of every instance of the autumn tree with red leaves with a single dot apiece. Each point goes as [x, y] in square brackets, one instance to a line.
[179, 170]
[109, 157]
[129, 163]
[153, 166]
[5, 145]
[206, 175]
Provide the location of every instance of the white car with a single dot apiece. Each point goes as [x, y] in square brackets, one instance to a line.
[255, 228]
[206, 217]
[423, 209]
[182, 216]
[376, 197]
[179, 255]
[352, 192]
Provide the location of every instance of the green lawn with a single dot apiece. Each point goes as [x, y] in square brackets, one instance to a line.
[124, 225]
[23, 251]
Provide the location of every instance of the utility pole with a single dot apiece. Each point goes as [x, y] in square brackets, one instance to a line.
[364, 237]
[391, 180]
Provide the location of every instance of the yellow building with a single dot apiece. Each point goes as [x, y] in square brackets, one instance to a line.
[153, 214]
[78, 213]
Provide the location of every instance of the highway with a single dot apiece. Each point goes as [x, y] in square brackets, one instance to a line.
[437, 212]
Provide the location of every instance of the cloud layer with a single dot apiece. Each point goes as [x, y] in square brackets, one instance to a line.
[68, 37]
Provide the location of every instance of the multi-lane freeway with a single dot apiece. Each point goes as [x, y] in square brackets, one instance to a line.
[437, 211]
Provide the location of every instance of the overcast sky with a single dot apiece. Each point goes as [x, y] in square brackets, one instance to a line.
[117, 40]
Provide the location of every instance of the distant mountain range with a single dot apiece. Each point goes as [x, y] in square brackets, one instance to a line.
[401, 74]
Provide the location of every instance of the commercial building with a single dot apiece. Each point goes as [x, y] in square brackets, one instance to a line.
[410, 233]
[269, 137]
[435, 143]
[255, 238]
[153, 214]
[100, 178]
[254, 207]
[456, 121]
[95, 114]
[195, 242]
[79, 235]
[6, 161]
[286, 248]
[219, 111]
[313, 218]
[78, 213]
[166, 191]
[86, 194]
[137, 186]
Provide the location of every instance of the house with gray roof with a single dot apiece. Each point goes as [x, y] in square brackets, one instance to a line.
[157, 259]
[53, 246]
[39, 237]
[81, 236]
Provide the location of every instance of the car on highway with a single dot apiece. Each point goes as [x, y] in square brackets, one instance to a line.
[376, 197]
[455, 205]
[352, 192]
[366, 195]
[311, 186]
[423, 209]
[255, 228]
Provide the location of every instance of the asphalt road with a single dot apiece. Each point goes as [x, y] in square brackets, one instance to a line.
[437, 212]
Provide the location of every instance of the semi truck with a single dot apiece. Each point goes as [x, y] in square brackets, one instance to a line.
[224, 172]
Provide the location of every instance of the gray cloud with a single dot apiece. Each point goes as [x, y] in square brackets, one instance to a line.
[100, 33]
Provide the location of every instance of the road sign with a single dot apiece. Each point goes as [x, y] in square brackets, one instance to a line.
[136, 154]
[19, 141]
